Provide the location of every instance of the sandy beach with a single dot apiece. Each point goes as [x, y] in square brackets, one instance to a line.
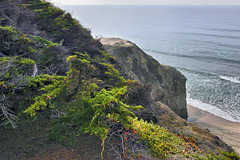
[228, 131]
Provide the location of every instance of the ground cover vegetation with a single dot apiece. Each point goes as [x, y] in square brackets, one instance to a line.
[56, 67]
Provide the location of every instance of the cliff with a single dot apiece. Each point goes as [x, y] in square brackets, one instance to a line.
[166, 83]
[63, 98]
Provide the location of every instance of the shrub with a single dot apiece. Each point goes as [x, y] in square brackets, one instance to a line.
[162, 142]
[13, 42]
[13, 78]
[77, 95]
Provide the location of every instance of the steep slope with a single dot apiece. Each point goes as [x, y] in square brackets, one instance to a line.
[166, 83]
[56, 86]
[40, 18]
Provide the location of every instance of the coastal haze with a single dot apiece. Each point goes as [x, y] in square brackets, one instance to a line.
[148, 2]
[203, 42]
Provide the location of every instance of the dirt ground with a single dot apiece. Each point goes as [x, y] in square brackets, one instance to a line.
[28, 141]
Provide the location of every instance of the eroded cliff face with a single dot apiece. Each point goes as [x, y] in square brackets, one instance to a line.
[166, 83]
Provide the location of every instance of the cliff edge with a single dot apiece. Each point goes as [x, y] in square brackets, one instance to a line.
[166, 83]
[62, 97]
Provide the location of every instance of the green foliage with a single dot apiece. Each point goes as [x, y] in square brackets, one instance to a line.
[52, 91]
[162, 142]
[114, 74]
[107, 104]
[44, 41]
[14, 42]
[107, 57]
[213, 156]
[40, 80]
[13, 77]
[80, 102]
[13, 67]
[83, 56]
[84, 101]
[78, 63]
[232, 155]
[82, 106]
[65, 22]
[48, 54]
[8, 29]
[2, 19]
[53, 19]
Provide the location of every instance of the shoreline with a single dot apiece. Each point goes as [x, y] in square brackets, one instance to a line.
[226, 130]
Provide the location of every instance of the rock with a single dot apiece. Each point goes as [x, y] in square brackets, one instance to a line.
[166, 83]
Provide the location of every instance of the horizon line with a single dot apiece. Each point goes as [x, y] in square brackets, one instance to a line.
[100, 4]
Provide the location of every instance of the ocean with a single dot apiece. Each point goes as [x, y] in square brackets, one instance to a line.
[202, 42]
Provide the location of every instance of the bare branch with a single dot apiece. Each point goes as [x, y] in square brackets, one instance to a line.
[128, 143]
[7, 114]
[11, 82]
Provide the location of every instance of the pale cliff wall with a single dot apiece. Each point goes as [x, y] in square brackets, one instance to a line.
[166, 83]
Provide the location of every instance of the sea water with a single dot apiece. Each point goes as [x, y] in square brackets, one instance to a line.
[202, 42]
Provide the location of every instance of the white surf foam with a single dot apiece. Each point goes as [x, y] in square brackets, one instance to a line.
[211, 109]
[231, 79]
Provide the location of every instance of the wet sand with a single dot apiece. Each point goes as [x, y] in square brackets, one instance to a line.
[228, 131]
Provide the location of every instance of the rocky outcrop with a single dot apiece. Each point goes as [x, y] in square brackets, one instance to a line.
[166, 83]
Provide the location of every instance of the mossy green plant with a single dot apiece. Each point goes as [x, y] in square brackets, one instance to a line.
[14, 73]
[162, 142]
[56, 19]
[44, 41]
[53, 90]
[20, 43]
[14, 65]
[224, 155]
[9, 29]
[101, 104]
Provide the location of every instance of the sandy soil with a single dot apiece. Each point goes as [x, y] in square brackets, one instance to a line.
[115, 41]
[228, 131]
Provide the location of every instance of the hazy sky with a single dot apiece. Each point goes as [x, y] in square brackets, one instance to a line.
[153, 2]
